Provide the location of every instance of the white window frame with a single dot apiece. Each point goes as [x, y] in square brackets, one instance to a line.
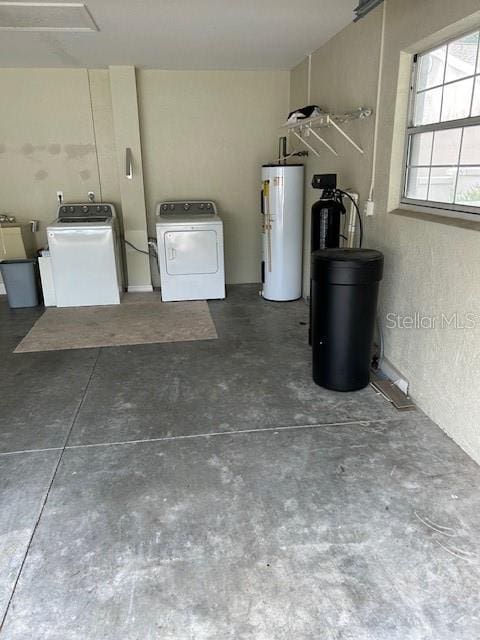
[431, 206]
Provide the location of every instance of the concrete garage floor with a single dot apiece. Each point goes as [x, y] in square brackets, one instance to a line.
[208, 490]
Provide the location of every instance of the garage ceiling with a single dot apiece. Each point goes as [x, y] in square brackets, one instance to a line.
[185, 34]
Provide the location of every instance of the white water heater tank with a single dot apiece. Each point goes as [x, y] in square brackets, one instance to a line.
[282, 231]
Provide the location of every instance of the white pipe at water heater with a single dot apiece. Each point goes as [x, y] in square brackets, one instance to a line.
[282, 231]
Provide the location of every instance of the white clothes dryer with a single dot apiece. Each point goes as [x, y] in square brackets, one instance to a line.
[190, 250]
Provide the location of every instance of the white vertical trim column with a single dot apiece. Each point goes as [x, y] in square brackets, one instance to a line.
[127, 136]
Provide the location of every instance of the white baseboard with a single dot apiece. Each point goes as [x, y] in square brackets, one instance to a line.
[395, 376]
[139, 288]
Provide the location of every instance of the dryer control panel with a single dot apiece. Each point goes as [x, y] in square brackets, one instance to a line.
[194, 207]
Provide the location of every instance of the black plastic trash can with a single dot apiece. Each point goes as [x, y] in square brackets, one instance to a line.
[343, 307]
[20, 279]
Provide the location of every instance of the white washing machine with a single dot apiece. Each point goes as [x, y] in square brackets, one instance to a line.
[190, 250]
[85, 255]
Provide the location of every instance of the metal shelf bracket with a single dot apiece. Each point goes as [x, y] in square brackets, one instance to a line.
[308, 127]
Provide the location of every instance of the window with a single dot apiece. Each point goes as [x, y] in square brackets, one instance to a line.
[443, 136]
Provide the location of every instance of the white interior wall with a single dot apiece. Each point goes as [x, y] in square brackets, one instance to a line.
[47, 141]
[432, 267]
[205, 134]
[104, 134]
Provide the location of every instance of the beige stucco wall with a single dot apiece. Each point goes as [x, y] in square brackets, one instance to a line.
[205, 134]
[431, 267]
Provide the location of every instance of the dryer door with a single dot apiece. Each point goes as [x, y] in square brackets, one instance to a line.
[191, 252]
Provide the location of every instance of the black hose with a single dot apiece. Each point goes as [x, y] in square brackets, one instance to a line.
[147, 253]
[151, 254]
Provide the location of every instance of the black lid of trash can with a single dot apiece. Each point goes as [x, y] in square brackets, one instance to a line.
[347, 266]
[18, 261]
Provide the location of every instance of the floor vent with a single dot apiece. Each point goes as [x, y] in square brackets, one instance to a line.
[45, 16]
[392, 391]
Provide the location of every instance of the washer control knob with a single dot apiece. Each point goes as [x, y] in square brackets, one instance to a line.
[64, 209]
[209, 206]
[186, 206]
[172, 207]
[105, 208]
[202, 206]
[72, 209]
[164, 207]
[99, 209]
[85, 208]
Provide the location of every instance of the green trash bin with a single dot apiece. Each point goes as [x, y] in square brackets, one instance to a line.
[20, 279]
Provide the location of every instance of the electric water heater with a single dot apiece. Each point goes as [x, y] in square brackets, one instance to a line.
[282, 231]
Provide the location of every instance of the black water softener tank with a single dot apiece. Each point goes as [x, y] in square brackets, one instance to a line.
[344, 304]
